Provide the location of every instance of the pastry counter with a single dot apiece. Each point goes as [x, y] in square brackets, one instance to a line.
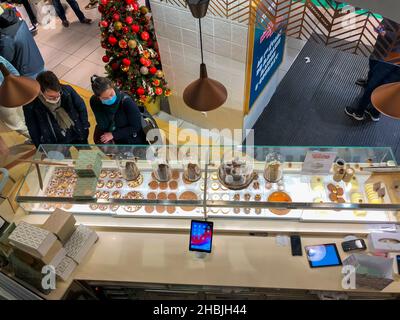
[251, 262]
[243, 188]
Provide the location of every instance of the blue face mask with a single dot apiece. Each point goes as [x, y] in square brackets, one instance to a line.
[110, 101]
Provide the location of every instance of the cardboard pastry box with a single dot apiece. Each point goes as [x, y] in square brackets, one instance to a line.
[61, 223]
[32, 240]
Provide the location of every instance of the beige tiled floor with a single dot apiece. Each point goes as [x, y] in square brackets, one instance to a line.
[73, 53]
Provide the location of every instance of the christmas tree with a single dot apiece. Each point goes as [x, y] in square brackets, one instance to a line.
[132, 57]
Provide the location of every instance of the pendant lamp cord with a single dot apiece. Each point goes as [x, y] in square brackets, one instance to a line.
[201, 42]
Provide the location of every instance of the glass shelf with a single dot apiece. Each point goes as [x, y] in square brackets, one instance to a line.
[227, 182]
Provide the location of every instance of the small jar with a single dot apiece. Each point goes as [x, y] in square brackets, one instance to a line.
[348, 175]
[273, 167]
[162, 170]
[131, 171]
[192, 171]
[339, 164]
[338, 175]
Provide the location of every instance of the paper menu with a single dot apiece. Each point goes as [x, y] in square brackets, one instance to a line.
[317, 162]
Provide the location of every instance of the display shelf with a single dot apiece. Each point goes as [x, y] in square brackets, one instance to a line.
[310, 199]
[113, 175]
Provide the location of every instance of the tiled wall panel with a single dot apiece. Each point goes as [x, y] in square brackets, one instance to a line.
[225, 47]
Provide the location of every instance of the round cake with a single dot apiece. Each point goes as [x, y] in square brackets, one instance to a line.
[188, 195]
[279, 196]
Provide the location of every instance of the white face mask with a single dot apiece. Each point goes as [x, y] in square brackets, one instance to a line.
[51, 101]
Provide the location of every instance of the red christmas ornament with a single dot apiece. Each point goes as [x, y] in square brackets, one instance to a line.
[140, 91]
[116, 17]
[148, 63]
[159, 91]
[135, 28]
[153, 70]
[125, 29]
[104, 2]
[128, 2]
[145, 36]
[115, 66]
[143, 98]
[156, 82]
[106, 59]
[123, 44]
[104, 45]
[112, 40]
[143, 60]
[129, 20]
[126, 62]
[101, 9]
[104, 23]
[135, 6]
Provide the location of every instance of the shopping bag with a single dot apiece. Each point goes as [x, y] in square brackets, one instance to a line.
[370, 271]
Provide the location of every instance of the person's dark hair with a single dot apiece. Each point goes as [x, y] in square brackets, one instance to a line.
[48, 81]
[100, 84]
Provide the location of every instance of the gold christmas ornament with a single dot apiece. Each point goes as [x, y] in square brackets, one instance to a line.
[125, 68]
[159, 74]
[144, 10]
[132, 44]
[118, 25]
[146, 54]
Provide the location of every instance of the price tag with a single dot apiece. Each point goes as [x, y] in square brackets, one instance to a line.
[317, 162]
[383, 227]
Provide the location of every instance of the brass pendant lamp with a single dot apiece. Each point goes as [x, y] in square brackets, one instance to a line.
[203, 94]
[386, 99]
[16, 91]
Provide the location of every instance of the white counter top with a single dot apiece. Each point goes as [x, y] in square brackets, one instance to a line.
[244, 261]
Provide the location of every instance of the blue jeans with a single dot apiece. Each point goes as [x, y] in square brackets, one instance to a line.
[380, 73]
[73, 4]
[34, 76]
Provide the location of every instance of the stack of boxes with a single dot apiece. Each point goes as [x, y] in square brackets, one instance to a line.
[87, 167]
[5, 230]
[2, 225]
[58, 243]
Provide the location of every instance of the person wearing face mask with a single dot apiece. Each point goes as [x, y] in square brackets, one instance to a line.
[118, 118]
[58, 115]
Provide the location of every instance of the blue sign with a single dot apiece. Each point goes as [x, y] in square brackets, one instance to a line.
[268, 49]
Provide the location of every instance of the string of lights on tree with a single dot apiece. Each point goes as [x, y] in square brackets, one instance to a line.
[132, 57]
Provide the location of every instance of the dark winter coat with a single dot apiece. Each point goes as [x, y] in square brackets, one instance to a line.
[18, 46]
[43, 127]
[127, 120]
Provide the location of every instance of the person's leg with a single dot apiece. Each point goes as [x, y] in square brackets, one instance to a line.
[75, 6]
[29, 11]
[59, 10]
[379, 73]
[372, 64]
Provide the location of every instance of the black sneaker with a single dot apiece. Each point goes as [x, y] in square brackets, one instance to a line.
[87, 21]
[91, 5]
[373, 117]
[355, 115]
[361, 82]
[65, 23]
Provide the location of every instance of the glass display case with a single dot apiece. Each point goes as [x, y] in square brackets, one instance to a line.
[340, 184]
